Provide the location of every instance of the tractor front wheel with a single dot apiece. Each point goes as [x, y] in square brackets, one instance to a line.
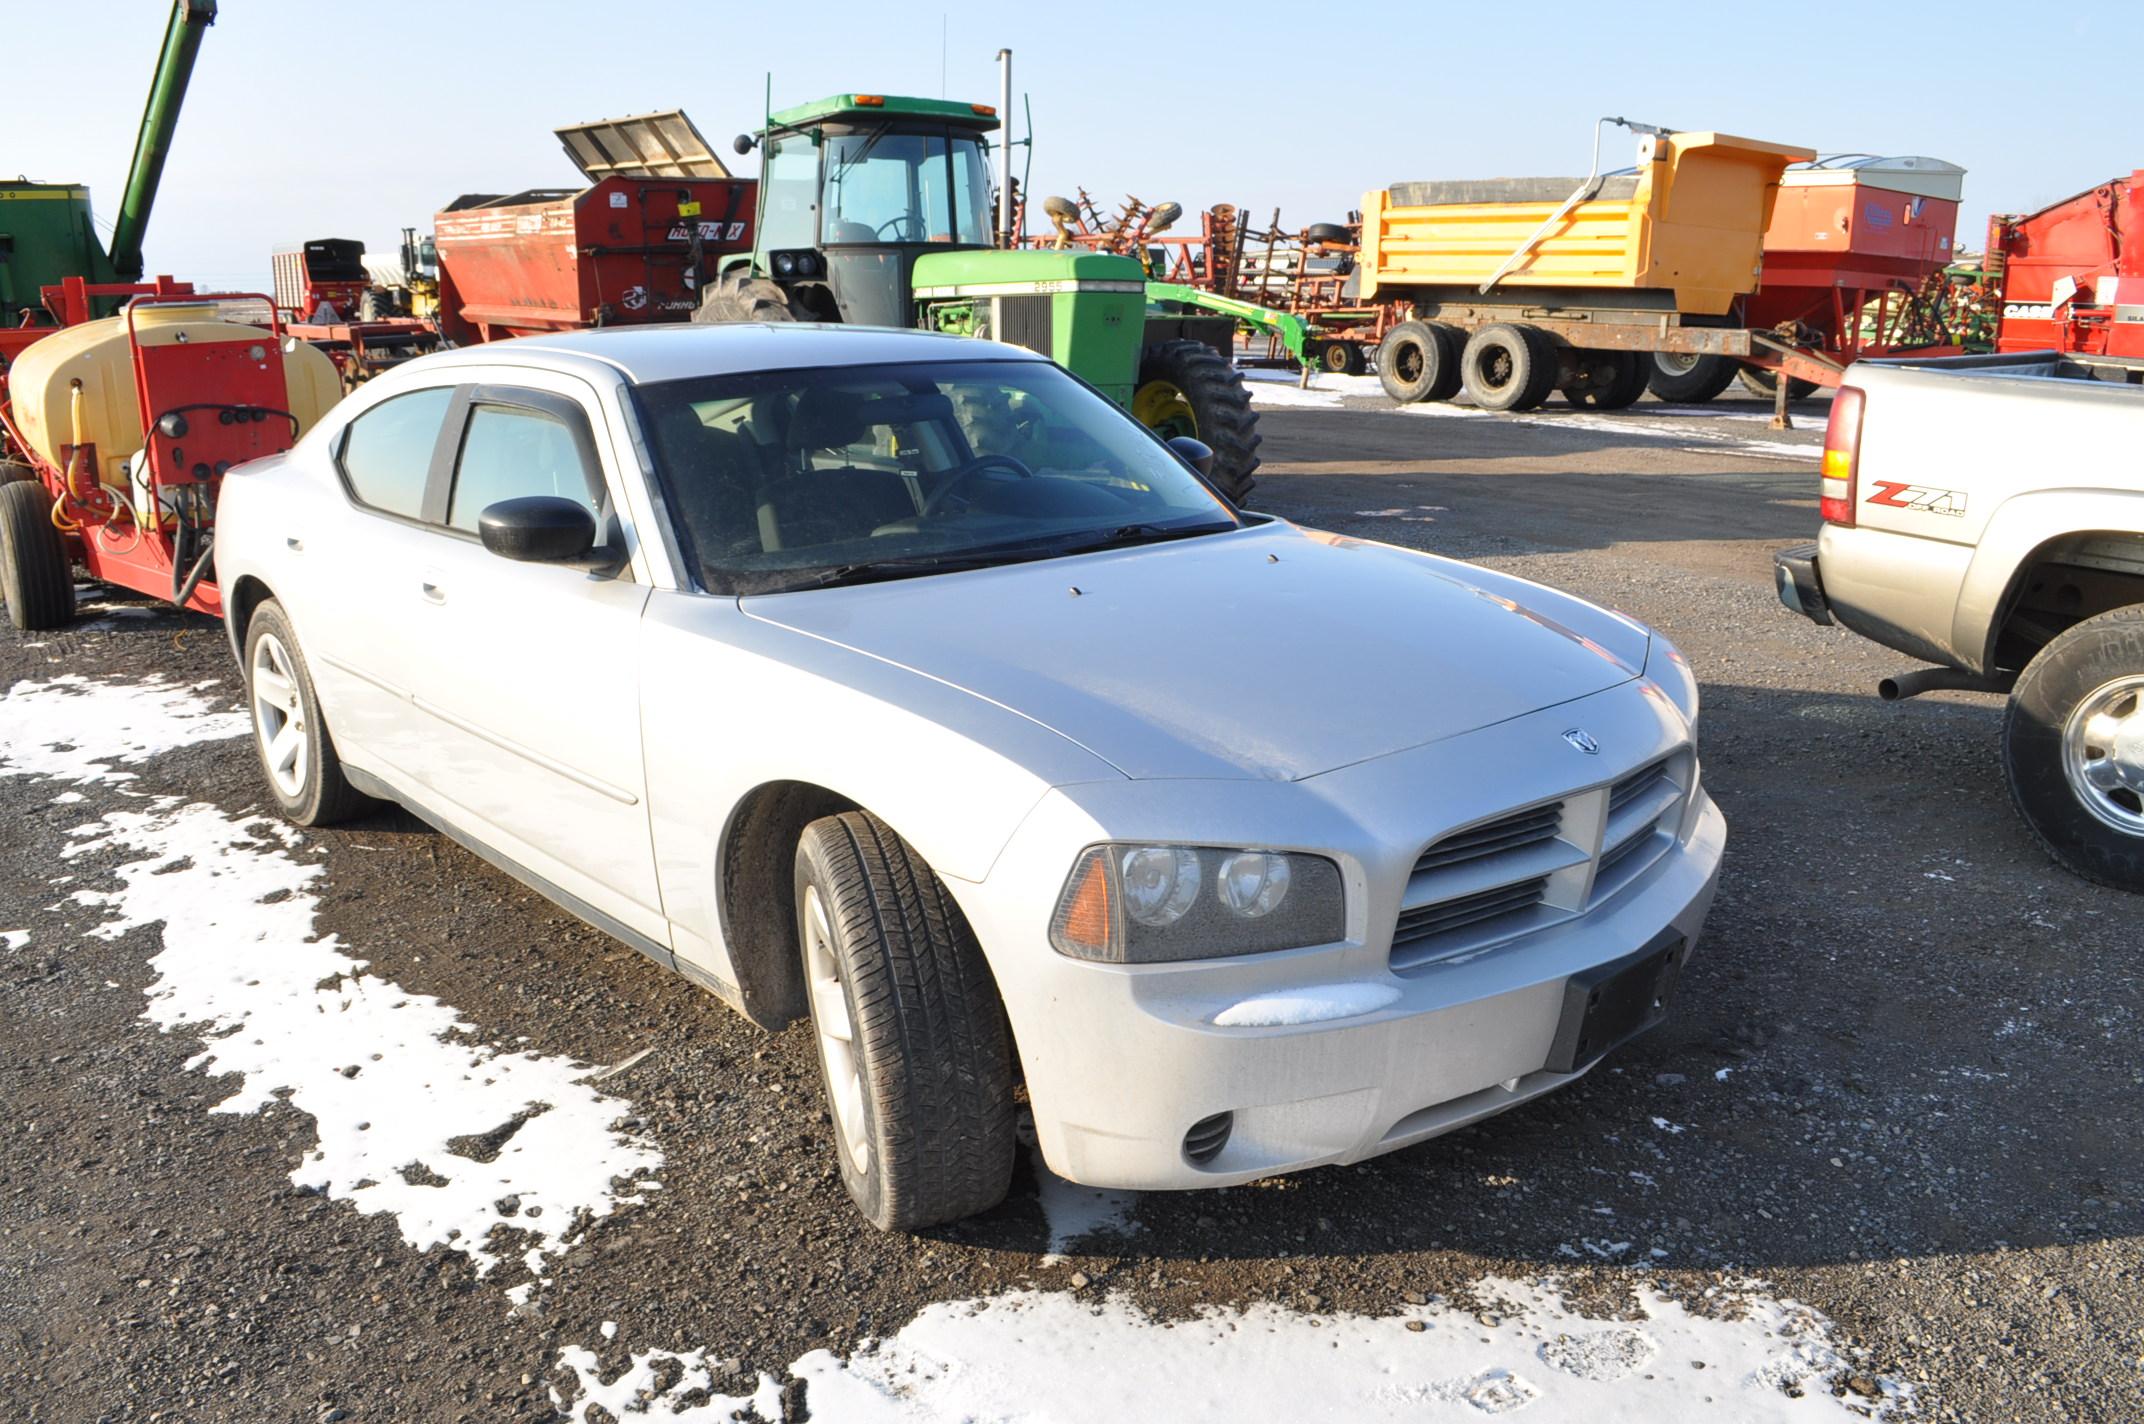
[1188, 388]
[740, 296]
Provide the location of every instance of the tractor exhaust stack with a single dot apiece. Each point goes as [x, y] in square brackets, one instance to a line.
[1005, 202]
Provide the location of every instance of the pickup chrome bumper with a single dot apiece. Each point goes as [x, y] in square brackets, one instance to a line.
[1801, 588]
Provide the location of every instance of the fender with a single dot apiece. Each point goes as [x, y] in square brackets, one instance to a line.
[2018, 529]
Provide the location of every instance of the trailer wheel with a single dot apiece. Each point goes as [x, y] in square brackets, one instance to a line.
[36, 576]
[737, 295]
[1765, 384]
[11, 471]
[1606, 380]
[1188, 388]
[1419, 361]
[2073, 748]
[913, 1045]
[1507, 366]
[1343, 358]
[298, 757]
[1687, 378]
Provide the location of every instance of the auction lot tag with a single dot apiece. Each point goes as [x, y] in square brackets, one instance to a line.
[688, 209]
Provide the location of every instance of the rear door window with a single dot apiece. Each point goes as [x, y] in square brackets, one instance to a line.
[511, 451]
[387, 452]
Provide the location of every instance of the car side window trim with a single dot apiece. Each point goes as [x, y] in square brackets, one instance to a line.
[449, 421]
[439, 494]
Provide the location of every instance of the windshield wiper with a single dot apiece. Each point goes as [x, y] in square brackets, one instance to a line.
[1126, 535]
[877, 570]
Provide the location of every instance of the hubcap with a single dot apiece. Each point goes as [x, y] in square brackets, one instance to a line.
[279, 716]
[1676, 363]
[837, 1034]
[2103, 754]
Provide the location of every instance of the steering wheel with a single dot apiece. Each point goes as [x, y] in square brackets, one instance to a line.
[968, 472]
[906, 219]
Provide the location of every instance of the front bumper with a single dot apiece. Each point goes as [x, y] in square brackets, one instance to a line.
[1122, 1063]
[1801, 587]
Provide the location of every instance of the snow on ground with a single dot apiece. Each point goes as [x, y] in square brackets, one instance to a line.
[415, 1116]
[1327, 391]
[1039, 1357]
[14, 939]
[82, 731]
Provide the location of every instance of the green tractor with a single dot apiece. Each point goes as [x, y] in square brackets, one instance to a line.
[876, 210]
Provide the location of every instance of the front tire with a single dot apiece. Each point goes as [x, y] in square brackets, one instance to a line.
[913, 1044]
[2073, 748]
[1188, 388]
[298, 757]
[36, 577]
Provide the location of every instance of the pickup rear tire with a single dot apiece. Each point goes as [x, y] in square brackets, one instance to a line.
[2073, 748]
[913, 1045]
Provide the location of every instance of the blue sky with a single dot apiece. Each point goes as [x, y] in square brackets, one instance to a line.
[316, 119]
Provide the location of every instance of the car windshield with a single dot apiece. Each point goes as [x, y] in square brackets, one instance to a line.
[886, 186]
[783, 480]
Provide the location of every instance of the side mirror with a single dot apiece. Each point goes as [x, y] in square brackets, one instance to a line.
[1195, 453]
[743, 144]
[537, 528]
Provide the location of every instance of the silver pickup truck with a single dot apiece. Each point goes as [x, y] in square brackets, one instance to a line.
[1986, 514]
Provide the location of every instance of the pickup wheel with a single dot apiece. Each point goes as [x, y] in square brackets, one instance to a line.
[913, 1045]
[298, 757]
[2073, 748]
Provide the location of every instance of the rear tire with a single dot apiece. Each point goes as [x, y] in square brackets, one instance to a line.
[298, 757]
[1188, 388]
[1687, 378]
[2073, 748]
[1764, 384]
[913, 1045]
[1507, 366]
[1419, 361]
[36, 576]
[737, 295]
[1606, 380]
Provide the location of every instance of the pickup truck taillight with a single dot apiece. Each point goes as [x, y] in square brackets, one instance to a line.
[1842, 452]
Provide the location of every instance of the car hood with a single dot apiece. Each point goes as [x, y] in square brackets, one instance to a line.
[1273, 652]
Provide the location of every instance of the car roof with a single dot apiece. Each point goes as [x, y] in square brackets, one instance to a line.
[676, 350]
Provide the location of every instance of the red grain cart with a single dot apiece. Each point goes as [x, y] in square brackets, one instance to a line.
[2073, 273]
[660, 220]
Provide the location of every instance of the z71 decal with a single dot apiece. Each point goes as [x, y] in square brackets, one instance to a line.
[1922, 499]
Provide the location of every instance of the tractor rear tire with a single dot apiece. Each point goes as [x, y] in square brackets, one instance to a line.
[1419, 361]
[1188, 388]
[36, 576]
[1343, 358]
[740, 296]
[1764, 384]
[1606, 380]
[1687, 378]
[375, 305]
[1508, 366]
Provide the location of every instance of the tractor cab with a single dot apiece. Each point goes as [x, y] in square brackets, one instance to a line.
[853, 189]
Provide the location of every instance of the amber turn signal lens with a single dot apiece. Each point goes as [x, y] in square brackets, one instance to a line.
[1087, 921]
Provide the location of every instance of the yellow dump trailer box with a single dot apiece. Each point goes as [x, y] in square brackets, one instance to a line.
[1689, 222]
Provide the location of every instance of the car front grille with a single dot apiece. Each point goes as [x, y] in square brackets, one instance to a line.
[1497, 880]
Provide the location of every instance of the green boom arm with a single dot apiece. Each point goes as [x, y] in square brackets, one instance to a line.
[190, 20]
[1293, 331]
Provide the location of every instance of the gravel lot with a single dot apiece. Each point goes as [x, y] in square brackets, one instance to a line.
[1901, 1086]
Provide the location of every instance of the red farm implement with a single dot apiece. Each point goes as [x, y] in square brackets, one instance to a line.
[326, 296]
[2072, 274]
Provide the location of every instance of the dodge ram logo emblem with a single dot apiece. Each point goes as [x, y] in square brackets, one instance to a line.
[1582, 739]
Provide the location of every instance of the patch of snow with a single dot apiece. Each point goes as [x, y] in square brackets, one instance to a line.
[636, 1393]
[14, 939]
[84, 730]
[1314, 1003]
[1271, 393]
[454, 1139]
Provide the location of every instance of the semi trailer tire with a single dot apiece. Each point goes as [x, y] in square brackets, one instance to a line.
[1764, 384]
[1606, 380]
[1687, 378]
[740, 296]
[1188, 388]
[36, 577]
[2073, 748]
[913, 1045]
[1419, 361]
[1508, 366]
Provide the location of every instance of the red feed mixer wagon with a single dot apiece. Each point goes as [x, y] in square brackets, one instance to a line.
[661, 214]
[2073, 273]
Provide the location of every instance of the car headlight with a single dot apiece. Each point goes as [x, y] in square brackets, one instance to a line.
[1157, 904]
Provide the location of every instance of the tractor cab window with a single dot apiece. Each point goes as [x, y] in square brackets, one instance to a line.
[791, 178]
[885, 186]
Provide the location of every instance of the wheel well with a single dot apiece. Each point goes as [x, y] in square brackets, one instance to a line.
[756, 866]
[244, 596]
[2062, 583]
